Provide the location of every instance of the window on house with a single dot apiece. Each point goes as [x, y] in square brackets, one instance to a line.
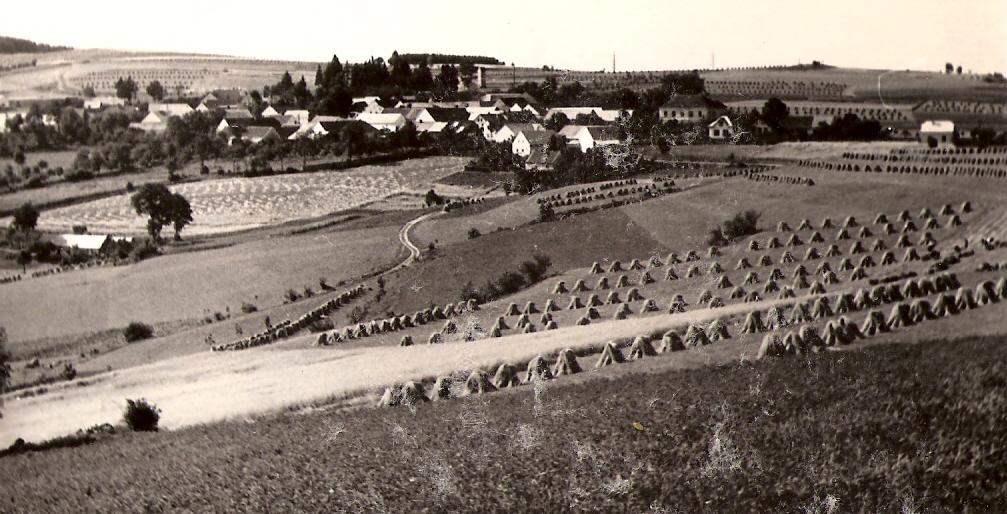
[716, 132]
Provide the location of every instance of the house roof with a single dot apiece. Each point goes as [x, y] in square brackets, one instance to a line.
[82, 241]
[717, 121]
[937, 126]
[237, 114]
[257, 133]
[224, 96]
[520, 127]
[542, 157]
[382, 118]
[176, 109]
[538, 137]
[448, 114]
[688, 101]
[604, 132]
[570, 131]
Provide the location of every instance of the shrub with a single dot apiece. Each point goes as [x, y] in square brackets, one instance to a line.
[69, 372]
[248, 308]
[291, 296]
[137, 331]
[142, 251]
[204, 170]
[546, 213]
[535, 269]
[474, 233]
[741, 225]
[130, 187]
[141, 416]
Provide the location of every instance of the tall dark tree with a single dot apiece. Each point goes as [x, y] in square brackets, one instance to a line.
[126, 89]
[156, 90]
[422, 79]
[774, 113]
[25, 218]
[163, 208]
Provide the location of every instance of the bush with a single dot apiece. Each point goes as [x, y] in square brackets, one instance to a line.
[130, 187]
[535, 268]
[69, 372]
[741, 225]
[291, 296]
[474, 233]
[142, 251]
[137, 331]
[248, 308]
[204, 170]
[141, 416]
[78, 176]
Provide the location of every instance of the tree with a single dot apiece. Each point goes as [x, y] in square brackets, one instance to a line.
[5, 358]
[19, 157]
[949, 68]
[448, 77]
[88, 91]
[163, 207]
[126, 89]
[422, 79]
[774, 112]
[156, 90]
[958, 70]
[23, 260]
[25, 218]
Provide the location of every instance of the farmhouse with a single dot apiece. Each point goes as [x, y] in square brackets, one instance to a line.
[687, 109]
[155, 121]
[255, 135]
[383, 121]
[299, 116]
[571, 113]
[92, 243]
[541, 159]
[721, 128]
[528, 140]
[100, 102]
[177, 109]
[942, 132]
[269, 112]
[234, 118]
[590, 136]
[221, 99]
[510, 130]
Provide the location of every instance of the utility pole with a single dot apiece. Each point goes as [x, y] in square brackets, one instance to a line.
[613, 62]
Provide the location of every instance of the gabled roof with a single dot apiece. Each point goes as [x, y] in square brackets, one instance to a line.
[224, 96]
[571, 131]
[448, 114]
[516, 128]
[237, 114]
[538, 137]
[82, 241]
[689, 101]
[937, 126]
[604, 132]
[717, 121]
[257, 133]
[541, 157]
[176, 109]
[381, 118]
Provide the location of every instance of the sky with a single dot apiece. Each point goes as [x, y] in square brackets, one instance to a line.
[643, 34]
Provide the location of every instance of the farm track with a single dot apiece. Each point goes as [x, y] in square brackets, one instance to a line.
[414, 251]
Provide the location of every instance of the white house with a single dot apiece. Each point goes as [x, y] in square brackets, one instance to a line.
[510, 130]
[155, 121]
[269, 111]
[383, 121]
[592, 136]
[721, 129]
[685, 109]
[528, 140]
[255, 135]
[571, 113]
[94, 243]
[177, 109]
[300, 116]
[941, 130]
[99, 102]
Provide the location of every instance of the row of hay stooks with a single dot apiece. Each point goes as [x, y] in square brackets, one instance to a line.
[396, 323]
[288, 328]
[805, 340]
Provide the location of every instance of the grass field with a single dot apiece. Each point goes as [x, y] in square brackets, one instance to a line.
[900, 428]
[241, 203]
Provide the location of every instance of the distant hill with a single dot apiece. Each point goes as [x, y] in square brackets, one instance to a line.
[13, 45]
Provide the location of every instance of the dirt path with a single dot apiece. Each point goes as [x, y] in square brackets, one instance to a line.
[414, 251]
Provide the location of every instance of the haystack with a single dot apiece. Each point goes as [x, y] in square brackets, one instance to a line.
[858, 274]
[816, 237]
[812, 341]
[827, 223]
[641, 348]
[927, 286]
[616, 266]
[673, 258]
[538, 369]
[903, 242]
[805, 225]
[530, 308]
[783, 227]
[753, 245]
[842, 235]
[881, 218]
[801, 282]
[821, 308]
[723, 282]
[909, 227]
[406, 341]
[670, 274]
[867, 262]
[545, 318]
[713, 251]
[581, 321]
[550, 306]
[899, 317]
[986, 293]
[649, 306]
[602, 284]
[671, 342]
[785, 293]
[704, 297]
[410, 393]
[927, 239]
[612, 298]
[833, 251]
[435, 338]
[523, 320]
[645, 279]
[506, 376]
[717, 331]
[560, 288]
[865, 232]
[770, 287]
[904, 216]
[695, 336]
[472, 305]
[610, 354]
[888, 229]
[715, 268]
[592, 313]
[623, 311]
[751, 278]
[1001, 288]
[925, 212]
[792, 344]
[845, 303]
[753, 323]
[529, 329]
[579, 286]
[775, 318]
[794, 240]
[449, 310]
[830, 277]
[812, 254]
[495, 332]
[911, 289]
[894, 293]
[920, 310]
[596, 268]
[693, 272]
[887, 259]
[947, 210]
[634, 295]
[743, 264]
[512, 309]
[449, 327]
[879, 295]
[765, 260]
[776, 274]
[787, 258]
[737, 293]
[833, 335]
[799, 314]
[437, 313]
[771, 347]
[773, 242]
[944, 305]
[691, 256]
[635, 265]
[932, 224]
[845, 264]
[967, 206]
[856, 248]
[622, 281]
[676, 307]
[566, 363]
[715, 303]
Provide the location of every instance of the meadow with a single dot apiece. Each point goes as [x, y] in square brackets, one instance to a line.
[897, 428]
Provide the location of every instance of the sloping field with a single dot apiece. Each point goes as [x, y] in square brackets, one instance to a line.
[232, 204]
[191, 284]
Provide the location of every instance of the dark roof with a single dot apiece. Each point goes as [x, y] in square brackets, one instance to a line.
[227, 96]
[448, 114]
[337, 126]
[538, 137]
[541, 157]
[604, 132]
[690, 101]
[237, 114]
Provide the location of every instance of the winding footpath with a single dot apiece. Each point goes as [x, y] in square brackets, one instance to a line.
[414, 251]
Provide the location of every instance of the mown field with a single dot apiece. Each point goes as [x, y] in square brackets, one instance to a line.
[897, 428]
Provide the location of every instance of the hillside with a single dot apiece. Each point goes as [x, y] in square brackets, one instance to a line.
[13, 45]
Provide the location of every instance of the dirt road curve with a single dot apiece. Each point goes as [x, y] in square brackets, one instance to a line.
[414, 252]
